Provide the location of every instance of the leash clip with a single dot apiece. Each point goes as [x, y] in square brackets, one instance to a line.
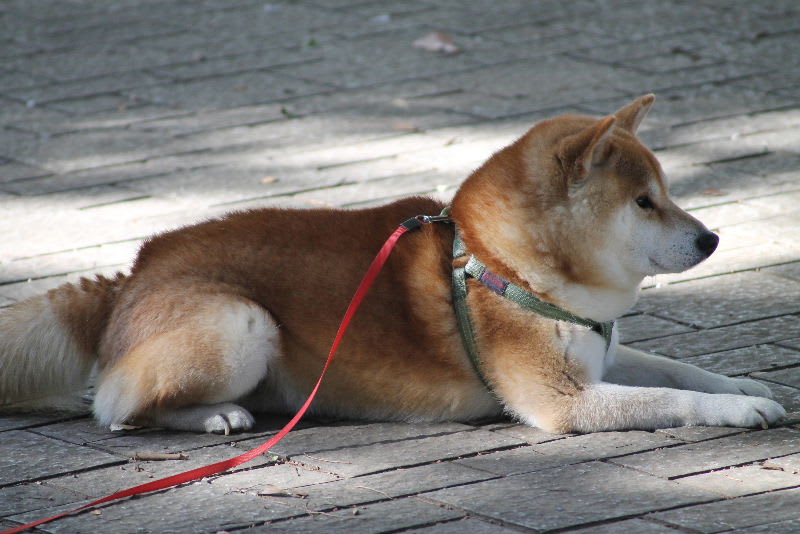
[429, 219]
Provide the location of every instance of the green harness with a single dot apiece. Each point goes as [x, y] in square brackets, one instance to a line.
[477, 270]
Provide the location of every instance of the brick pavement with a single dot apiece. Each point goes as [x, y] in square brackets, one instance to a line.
[128, 117]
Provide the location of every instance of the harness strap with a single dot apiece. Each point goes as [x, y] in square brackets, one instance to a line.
[477, 270]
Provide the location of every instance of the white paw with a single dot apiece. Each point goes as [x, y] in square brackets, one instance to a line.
[228, 418]
[735, 386]
[214, 418]
[737, 410]
[752, 387]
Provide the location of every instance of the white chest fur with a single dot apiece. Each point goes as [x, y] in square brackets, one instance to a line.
[589, 349]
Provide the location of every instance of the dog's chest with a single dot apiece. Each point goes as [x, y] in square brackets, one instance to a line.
[589, 349]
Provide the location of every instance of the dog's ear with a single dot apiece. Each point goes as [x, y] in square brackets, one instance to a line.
[631, 116]
[578, 152]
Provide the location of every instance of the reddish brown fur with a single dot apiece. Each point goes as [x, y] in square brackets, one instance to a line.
[403, 356]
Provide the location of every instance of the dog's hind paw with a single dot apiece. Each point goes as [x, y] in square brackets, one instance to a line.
[232, 418]
[222, 418]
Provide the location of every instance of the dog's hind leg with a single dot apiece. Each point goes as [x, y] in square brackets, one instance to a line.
[189, 376]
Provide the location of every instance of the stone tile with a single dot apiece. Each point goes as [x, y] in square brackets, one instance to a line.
[152, 440]
[243, 89]
[45, 457]
[379, 517]
[790, 463]
[745, 480]
[714, 454]
[790, 526]
[20, 421]
[529, 434]
[28, 497]
[605, 492]
[98, 483]
[180, 510]
[354, 461]
[790, 270]
[793, 343]
[786, 396]
[639, 526]
[460, 526]
[747, 359]
[736, 514]
[381, 486]
[642, 326]
[267, 480]
[723, 300]
[571, 450]
[353, 434]
[787, 377]
[721, 339]
[694, 434]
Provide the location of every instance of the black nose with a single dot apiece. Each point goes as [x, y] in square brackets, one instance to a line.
[707, 243]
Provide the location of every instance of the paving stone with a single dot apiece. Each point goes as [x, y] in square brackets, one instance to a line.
[381, 486]
[379, 517]
[724, 338]
[747, 359]
[723, 300]
[787, 377]
[460, 526]
[24, 498]
[793, 343]
[745, 480]
[642, 326]
[44, 457]
[528, 434]
[100, 482]
[267, 480]
[714, 454]
[639, 526]
[353, 434]
[604, 491]
[571, 450]
[20, 421]
[789, 526]
[365, 459]
[790, 463]
[182, 510]
[151, 440]
[693, 434]
[786, 396]
[735, 513]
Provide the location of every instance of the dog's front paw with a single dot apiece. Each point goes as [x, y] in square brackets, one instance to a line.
[737, 410]
[750, 387]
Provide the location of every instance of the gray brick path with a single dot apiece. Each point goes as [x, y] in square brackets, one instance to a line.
[123, 118]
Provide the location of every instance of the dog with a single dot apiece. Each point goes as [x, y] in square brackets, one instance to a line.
[235, 315]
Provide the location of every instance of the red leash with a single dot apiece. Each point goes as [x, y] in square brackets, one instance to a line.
[201, 472]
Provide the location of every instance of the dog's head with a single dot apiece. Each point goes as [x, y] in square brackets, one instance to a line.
[581, 205]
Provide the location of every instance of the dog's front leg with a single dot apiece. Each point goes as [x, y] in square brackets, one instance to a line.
[603, 406]
[635, 368]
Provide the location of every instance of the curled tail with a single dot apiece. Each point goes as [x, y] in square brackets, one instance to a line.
[48, 343]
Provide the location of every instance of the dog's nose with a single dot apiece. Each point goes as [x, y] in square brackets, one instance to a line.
[707, 243]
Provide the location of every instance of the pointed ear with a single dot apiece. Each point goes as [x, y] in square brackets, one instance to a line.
[578, 152]
[634, 113]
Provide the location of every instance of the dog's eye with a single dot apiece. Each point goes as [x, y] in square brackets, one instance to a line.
[645, 203]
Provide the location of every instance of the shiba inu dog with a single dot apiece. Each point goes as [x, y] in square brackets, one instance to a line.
[236, 315]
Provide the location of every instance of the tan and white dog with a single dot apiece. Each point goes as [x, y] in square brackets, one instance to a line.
[237, 314]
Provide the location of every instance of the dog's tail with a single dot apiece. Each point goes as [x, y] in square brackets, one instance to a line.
[48, 344]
